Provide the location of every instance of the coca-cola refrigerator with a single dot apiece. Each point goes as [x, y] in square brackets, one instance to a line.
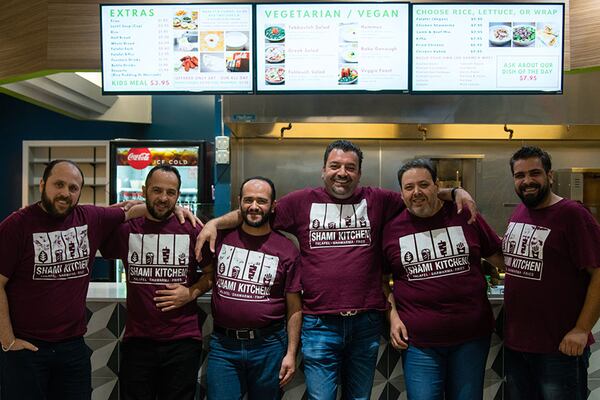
[131, 160]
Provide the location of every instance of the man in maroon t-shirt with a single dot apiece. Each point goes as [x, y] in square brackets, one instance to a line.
[256, 285]
[439, 313]
[162, 342]
[338, 227]
[47, 251]
[552, 287]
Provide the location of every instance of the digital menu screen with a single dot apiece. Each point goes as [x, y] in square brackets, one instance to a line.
[177, 48]
[332, 47]
[487, 47]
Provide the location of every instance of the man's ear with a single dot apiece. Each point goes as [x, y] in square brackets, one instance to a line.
[42, 185]
[551, 177]
[144, 191]
[273, 206]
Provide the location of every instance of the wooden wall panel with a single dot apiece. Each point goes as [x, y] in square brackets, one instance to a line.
[74, 35]
[585, 34]
[23, 37]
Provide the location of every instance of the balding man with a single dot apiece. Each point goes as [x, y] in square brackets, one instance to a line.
[47, 251]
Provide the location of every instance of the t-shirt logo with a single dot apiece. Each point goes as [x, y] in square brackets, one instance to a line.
[158, 258]
[61, 255]
[339, 225]
[245, 275]
[523, 248]
[434, 254]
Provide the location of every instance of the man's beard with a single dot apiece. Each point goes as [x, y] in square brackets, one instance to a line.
[51, 209]
[533, 201]
[255, 224]
[155, 214]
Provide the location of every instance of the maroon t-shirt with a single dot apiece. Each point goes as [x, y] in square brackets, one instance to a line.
[155, 254]
[546, 253]
[47, 261]
[252, 275]
[340, 246]
[439, 285]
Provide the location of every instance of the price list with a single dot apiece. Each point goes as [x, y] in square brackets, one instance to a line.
[332, 47]
[487, 47]
[177, 48]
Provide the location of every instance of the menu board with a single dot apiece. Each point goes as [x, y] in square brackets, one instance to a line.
[177, 48]
[332, 47]
[487, 47]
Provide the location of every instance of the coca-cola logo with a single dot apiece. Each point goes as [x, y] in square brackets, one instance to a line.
[139, 158]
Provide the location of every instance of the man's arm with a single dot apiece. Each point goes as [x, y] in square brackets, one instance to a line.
[398, 332]
[177, 295]
[182, 213]
[462, 198]
[7, 336]
[576, 339]
[294, 323]
[209, 233]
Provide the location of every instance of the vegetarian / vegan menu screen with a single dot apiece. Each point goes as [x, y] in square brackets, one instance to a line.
[487, 47]
[332, 47]
[177, 48]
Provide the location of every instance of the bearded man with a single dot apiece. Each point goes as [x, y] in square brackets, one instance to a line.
[47, 252]
[552, 287]
[162, 343]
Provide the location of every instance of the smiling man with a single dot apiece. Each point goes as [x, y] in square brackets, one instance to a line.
[440, 314]
[162, 342]
[47, 251]
[552, 288]
[256, 287]
[338, 227]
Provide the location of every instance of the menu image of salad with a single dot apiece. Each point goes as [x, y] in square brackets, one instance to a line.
[333, 46]
[177, 48]
[487, 47]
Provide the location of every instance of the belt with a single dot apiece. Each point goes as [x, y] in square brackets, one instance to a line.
[247, 334]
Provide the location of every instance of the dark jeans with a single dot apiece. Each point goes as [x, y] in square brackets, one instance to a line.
[555, 376]
[159, 370]
[57, 371]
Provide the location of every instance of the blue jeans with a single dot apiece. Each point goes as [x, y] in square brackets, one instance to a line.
[57, 371]
[555, 376]
[449, 372]
[340, 348]
[236, 367]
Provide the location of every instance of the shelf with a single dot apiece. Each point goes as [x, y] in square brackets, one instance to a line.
[75, 160]
[88, 182]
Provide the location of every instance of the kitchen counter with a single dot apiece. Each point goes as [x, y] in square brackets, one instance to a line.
[117, 292]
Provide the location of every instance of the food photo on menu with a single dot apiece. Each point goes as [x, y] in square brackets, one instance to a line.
[212, 62]
[548, 34]
[185, 20]
[238, 61]
[500, 34]
[523, 34]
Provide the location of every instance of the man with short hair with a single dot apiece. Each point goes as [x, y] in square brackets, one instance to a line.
[552, 287]
[47, 250]
[162, 343]
[440, 314]
[339, 230]
[256, 285]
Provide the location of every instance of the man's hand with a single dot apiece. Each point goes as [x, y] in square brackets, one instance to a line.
[183, 213]
[207, 234]
[127, 204]
[574, 342]
[464, 200]
[398, 332]
[173, 297]
[287, 370]
[21, 344]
